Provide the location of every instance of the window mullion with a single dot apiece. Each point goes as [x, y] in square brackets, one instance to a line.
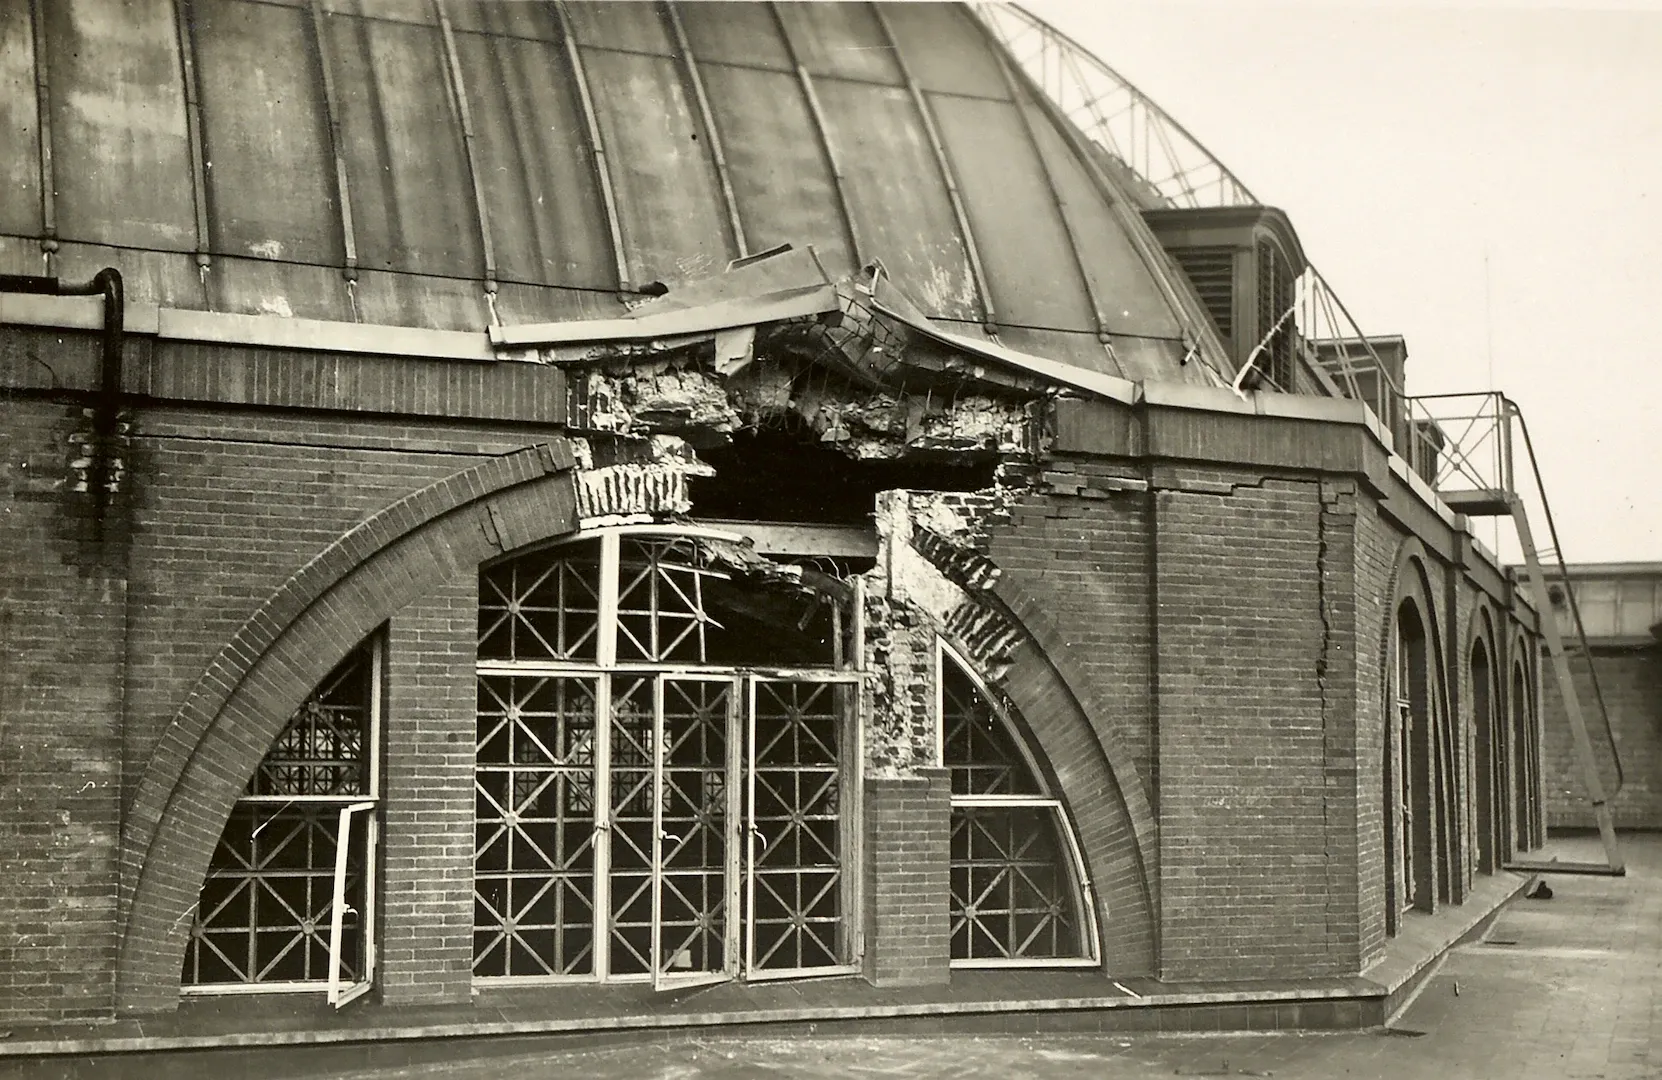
[606, 643]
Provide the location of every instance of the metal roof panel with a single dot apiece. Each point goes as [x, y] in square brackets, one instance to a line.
[895, 192]
[782, 181]
[118, 125]
[537, 167]
[262, 105]
[20, 210]
[668, 200]
[412, 204]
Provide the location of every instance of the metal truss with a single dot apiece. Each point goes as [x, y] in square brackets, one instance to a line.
[1172, 164]
[1018, 888]
[645, 813]
[288, 902]
[1166, 166]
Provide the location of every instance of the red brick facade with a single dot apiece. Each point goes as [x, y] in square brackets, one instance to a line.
[906, 927]
[1190, 615]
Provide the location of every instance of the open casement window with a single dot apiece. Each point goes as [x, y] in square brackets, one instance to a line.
[289, 899]
[665, 747]
[1019, 892]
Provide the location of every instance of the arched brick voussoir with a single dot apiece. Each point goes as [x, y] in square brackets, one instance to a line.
[1052, 648]
[239, 704]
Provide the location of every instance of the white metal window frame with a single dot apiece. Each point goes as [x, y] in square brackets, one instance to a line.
[604, 668]
[341, 993]
[336, 993]
[1083, 890]
[851, 752]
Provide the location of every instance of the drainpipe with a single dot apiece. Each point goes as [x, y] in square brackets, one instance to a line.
[106, 405]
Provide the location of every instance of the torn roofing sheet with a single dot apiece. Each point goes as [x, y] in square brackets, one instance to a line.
[788, 284]
[891, 301]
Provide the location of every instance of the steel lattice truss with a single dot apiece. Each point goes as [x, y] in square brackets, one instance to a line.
[642, 812]
[1015, 886]
[795, 812]
[543, 605]
[1162, 165]
[264, 913]
[321, 750]
[661, 613]
[534, 843]
[1173, 166]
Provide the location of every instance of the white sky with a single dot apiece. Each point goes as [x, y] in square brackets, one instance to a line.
[1412, 144]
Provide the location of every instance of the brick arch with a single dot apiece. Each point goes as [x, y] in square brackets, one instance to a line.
[1519, 683]
[240, 703]
[1098, 782]
[1410, 581]
[1485, 733]
[1411, 584]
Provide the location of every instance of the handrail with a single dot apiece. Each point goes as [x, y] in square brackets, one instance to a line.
[1479, 456]
[1569, 594]
[1174, 168]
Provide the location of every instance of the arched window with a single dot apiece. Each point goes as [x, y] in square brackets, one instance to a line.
[289, 899]
[1411, 806]
[1526, 822]
[1486, 761]
[1018, 889]
[666, 765]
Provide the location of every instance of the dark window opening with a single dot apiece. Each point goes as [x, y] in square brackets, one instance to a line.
[788, 475]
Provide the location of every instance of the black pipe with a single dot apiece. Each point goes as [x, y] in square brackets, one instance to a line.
[106, 406]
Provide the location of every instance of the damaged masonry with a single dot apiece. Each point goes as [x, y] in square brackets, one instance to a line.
[865, 380]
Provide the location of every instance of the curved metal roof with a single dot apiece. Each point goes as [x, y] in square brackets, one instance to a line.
[450, 163]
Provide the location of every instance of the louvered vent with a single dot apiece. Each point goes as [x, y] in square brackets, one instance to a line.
[1275, 296]
[1211, 270]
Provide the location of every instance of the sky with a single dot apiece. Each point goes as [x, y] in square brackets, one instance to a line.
[1484, 179]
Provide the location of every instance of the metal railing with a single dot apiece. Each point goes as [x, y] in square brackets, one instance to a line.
[1466, 443]
[1176, 168]
[1168, 167]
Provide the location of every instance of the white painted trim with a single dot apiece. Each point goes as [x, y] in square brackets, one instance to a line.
[316, 334]
[308, 986]
[790, 538]
[1019, 962]
[227, 328]
[703, 320]
[341, 994]
[1084, 889]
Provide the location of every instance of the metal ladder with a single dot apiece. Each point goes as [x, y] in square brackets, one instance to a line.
[1502, 500]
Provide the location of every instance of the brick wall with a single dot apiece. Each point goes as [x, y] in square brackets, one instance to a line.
[227, 507]
[1631, 681]
[62, 611]
[1375, 562]
[907, 878]
[1245, 802]
[427, 908]
[1085, 556]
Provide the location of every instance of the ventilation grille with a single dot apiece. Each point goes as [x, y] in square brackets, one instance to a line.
[1211, 270]
[1275, 296]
